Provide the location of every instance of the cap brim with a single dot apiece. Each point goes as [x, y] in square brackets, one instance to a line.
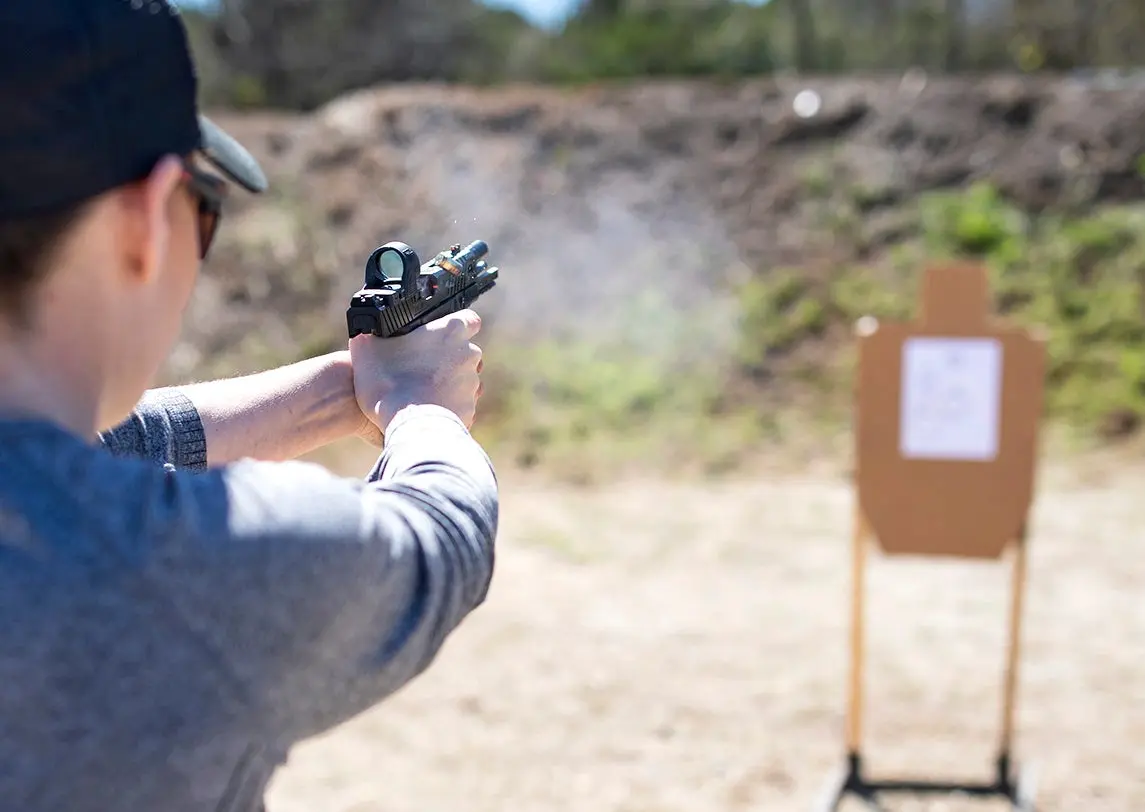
[231, 157]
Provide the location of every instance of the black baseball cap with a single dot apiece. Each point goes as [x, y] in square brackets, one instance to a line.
[92, 94]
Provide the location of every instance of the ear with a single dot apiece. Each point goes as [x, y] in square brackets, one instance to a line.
[150, 202]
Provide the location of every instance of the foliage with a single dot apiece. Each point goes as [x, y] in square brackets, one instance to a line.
[720, 38]
[302, 53]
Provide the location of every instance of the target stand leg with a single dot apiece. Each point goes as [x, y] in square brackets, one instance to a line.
[1016, 786]
[1019, 789]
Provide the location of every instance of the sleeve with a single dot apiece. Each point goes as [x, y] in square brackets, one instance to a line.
[164, 427]
[319, 595]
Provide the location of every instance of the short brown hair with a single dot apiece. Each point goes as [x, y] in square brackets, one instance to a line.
[28, 246]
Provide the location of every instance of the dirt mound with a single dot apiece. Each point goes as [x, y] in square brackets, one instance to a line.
[595, 197]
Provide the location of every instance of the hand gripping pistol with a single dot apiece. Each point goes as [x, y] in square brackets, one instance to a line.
[400, 294]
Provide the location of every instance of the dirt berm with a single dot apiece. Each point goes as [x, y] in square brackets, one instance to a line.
[592, 198]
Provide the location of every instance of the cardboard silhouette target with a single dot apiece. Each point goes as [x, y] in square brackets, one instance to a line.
[946, 433]
[947, 423]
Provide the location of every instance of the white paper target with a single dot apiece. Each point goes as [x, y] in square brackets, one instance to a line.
[951, 398]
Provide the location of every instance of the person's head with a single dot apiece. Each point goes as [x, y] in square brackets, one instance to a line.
[111, 184]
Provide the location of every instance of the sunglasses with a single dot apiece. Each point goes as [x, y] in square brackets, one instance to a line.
[210, 191]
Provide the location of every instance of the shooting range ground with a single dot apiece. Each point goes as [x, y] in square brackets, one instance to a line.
[683, 648]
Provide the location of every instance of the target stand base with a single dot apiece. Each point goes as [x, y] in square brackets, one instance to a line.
[1019, 790]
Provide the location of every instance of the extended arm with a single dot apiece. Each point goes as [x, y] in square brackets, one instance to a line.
[322, 594]
[276, 415]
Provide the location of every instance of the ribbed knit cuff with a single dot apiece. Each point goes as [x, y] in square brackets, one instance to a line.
[188, 439]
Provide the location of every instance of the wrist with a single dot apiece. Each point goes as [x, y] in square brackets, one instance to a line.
[355, 422]
[351, 421]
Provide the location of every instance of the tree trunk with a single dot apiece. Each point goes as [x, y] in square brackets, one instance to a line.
[955, 35]
[804, 27]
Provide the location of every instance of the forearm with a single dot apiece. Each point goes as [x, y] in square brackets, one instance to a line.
[280, 414]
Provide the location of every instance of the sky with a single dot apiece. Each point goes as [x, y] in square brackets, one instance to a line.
[541, 13]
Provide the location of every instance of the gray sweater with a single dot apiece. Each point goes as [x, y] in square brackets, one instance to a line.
[169, 631]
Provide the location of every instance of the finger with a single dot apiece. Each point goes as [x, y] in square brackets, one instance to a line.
[465, 321]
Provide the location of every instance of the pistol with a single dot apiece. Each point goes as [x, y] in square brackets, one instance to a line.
[400, 294]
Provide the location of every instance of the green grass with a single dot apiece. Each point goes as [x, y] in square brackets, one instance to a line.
[1080, 278]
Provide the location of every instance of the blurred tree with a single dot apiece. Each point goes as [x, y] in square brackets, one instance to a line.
[1085, 13]
[1125, 24]
[803, 26]
[955, 34]
[884, 13]
[304, 52]
[673, 38]
[601, 9]
[301, 53]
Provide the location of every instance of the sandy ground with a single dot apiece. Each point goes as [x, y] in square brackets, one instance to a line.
[672, 648]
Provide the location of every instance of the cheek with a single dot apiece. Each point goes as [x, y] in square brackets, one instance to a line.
[188, 273]
[183, 262]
